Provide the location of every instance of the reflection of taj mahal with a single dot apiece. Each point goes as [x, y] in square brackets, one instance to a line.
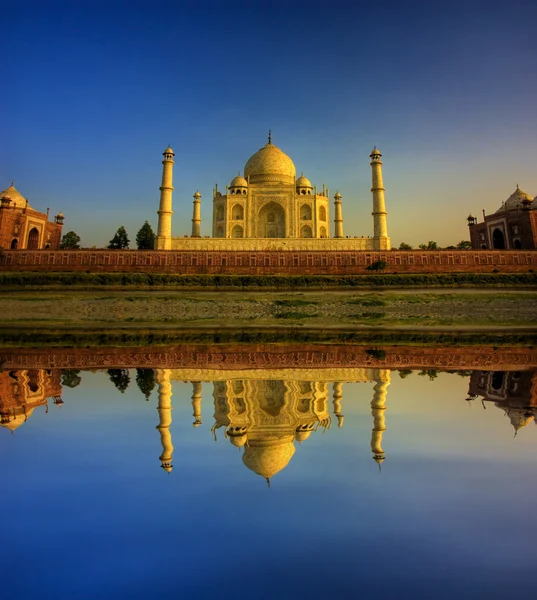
[269, 202]
[266, 417]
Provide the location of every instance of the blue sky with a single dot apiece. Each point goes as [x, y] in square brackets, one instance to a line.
[95, 91]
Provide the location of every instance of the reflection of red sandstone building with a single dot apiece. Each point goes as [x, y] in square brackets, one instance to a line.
[512, 227]
[514, 392]
[22, 227]
[22, 391]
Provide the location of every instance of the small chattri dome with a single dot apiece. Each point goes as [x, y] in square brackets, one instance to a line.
[337, 196]
[303, 182]
[376, 152]
[169, 151]
[197, 194]
[238, 181]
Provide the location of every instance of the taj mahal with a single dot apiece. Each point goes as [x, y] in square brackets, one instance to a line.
[270, 208]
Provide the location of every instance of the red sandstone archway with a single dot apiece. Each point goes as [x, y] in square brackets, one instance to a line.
[15, 244]
[33, 239]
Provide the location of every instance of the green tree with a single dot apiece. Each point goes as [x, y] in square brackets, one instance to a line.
[464, 245]
[404, 373]
[120, 241]
[120, 378]
[378, 265]
[145, 238]
[70, 241]
[70, 378]
[145, 380]
[403, 246]
[430, 245]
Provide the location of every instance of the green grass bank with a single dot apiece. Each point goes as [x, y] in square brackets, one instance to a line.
[88, 280]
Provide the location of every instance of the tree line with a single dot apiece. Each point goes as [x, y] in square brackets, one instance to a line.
[430, 245]
[145, 239]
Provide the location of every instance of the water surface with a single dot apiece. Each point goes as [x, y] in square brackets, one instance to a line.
[280, 483]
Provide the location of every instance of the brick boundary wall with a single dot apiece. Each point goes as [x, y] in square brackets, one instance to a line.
[269, 263]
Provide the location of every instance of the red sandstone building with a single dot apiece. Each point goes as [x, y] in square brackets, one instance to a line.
[512, 227]
[23, 227]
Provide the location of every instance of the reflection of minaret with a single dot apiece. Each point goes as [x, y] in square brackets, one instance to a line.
[196, 402]
[338, 397]
[165, 417]
[378, 406]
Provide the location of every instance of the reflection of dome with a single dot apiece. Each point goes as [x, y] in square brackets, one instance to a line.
[238, 440]
[270, 164]
[268, 457]
[238, 182]
[519, 417]
[13, 421]
[300, 436]
[515, 200]
[303, 182]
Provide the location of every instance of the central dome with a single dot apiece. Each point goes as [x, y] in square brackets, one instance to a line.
[270, 164]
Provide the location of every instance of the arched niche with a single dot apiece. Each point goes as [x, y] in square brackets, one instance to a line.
[322, 213]
[220, 213]
[219, 231]
[322, 232]
[271, 221]
[305, 212]
[237, 213]
[237, 232]
[305, 231]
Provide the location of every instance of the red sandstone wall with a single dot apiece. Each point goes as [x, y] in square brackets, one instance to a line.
[268, 263]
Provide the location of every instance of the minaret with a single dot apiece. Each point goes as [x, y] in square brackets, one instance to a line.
[196, 403]
[336, 402]
[380, 228]
[196, 217]
[338, 220]
[165, 212]
[378, 406]
[165, 417]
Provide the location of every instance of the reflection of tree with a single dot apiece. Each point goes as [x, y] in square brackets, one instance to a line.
[120, 378]
[404, 373]
[145, 380]
[463, 373]
[430, 373]
[71, 378]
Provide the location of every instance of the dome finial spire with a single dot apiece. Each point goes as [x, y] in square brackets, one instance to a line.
[269, 136]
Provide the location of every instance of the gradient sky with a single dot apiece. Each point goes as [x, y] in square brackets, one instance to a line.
[94, 92]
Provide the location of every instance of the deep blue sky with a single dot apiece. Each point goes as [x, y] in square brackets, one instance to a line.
[93, 93]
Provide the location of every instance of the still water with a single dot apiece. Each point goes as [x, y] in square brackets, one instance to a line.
[280, 483]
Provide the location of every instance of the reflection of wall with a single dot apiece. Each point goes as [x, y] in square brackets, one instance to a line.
[23, 390]
[513, 391]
